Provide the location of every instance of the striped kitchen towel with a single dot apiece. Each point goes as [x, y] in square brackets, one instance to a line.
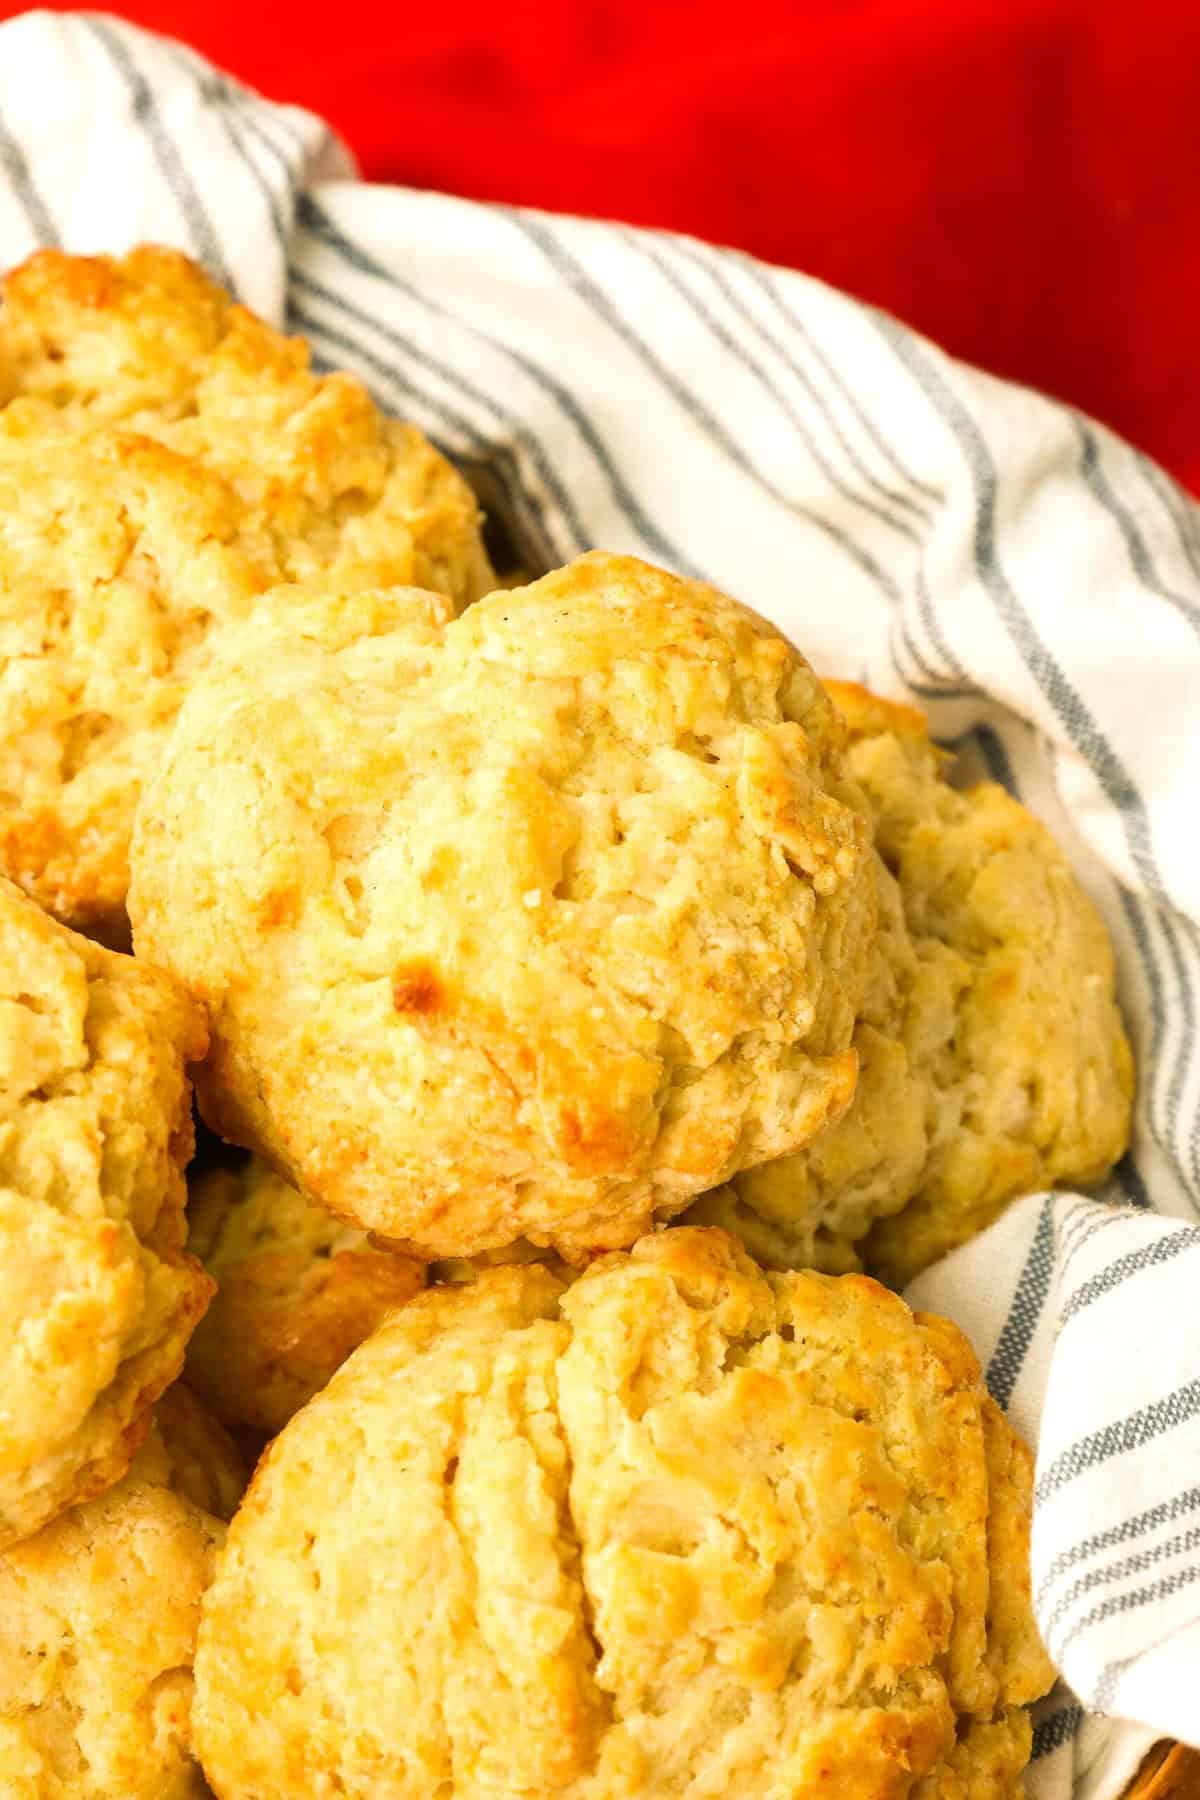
[913, 524]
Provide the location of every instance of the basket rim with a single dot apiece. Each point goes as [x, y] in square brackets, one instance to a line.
[1170, 1772]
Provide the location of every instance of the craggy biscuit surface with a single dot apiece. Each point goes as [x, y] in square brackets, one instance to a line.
[992, 1058]
[97, 1295]
[297, 1291]
[98, 1618]
[164, 457]
[680, 1529]
[534, 922]
[987, 1762]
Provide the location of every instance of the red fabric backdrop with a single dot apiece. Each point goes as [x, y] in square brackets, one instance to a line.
[1020, 179]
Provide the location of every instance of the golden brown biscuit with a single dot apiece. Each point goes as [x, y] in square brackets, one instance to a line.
[164, 457]
[991, 1051]
[680, 1530]
[97, 1296]
[98, 1617]
[533, 922]
[297, 1291]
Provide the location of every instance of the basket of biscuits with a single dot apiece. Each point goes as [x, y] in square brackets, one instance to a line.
[594, 1020]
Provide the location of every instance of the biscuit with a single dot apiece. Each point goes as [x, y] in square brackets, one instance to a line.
[297, 1290]
[534, 922]
[165, 456]
[992, 1056]
[680, 1528]
[97, 1295]
[98, 1618]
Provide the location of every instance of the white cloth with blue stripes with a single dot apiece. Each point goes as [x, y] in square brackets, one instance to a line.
[1030, 580]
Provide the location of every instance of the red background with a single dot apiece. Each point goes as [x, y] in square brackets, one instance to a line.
[1019, 179]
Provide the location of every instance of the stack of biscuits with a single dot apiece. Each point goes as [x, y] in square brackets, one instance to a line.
[594, 1018]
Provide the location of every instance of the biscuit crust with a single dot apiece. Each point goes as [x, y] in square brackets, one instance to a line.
[992, 1056]
[98, 1620]
[297, 1291]
[165, 456]
[97, 1294]
[532, 922]
[680, 1529]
